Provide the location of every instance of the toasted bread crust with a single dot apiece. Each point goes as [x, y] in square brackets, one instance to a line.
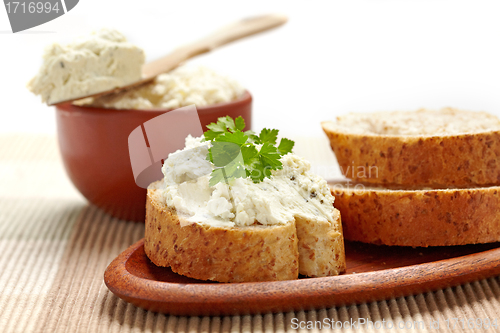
[447, 161]
[420, 217]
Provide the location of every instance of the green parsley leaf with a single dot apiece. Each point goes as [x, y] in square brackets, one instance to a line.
[233, 170]
[249, 153]
[237, 137]
[228, 122]
[239, 123]
[258, 172]
[252, 137]
[223, 153]
[216, 177]
[235, 154]
[267, 135]
[286, 146]
[270, 157]
[218, 127]
[224, 125]
[210, 135]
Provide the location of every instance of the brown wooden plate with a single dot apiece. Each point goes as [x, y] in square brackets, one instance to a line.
[373, 273]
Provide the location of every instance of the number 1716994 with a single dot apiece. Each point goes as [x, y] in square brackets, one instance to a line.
[32, 7]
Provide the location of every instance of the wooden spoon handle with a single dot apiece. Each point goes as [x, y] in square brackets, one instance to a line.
[235, 31]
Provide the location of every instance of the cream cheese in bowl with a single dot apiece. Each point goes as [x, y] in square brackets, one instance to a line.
[183, 86]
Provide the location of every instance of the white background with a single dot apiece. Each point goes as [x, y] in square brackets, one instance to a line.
[332, 57]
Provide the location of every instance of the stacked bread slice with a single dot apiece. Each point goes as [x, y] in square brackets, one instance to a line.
[422, 178]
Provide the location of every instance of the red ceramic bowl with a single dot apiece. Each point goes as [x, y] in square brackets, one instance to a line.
[94, 148]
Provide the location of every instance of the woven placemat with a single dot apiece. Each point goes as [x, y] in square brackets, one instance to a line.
[54, 248]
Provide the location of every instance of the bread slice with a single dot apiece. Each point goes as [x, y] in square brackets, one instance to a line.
[240, 254]
[418, 218]
[447, 148]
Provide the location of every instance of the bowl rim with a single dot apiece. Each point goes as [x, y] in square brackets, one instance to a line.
[245, 98]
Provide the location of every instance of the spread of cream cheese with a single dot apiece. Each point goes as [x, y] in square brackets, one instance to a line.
[290, 192]
[99, 62]
[181, 87]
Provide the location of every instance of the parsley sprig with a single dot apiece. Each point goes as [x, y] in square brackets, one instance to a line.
[243, 154]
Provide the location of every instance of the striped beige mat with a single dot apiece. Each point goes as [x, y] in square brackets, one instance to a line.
[54, 249]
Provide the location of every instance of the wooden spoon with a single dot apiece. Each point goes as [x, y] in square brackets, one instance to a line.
[235, 31]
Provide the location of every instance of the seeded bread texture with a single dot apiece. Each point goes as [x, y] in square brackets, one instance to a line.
[419, 218]
[241, 254]
[377, 151]
[321, 247]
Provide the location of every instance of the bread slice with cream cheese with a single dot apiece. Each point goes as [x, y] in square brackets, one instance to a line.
[241, 254]
[273, 230]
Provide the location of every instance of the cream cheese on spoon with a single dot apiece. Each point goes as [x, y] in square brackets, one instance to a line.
[89, 65]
